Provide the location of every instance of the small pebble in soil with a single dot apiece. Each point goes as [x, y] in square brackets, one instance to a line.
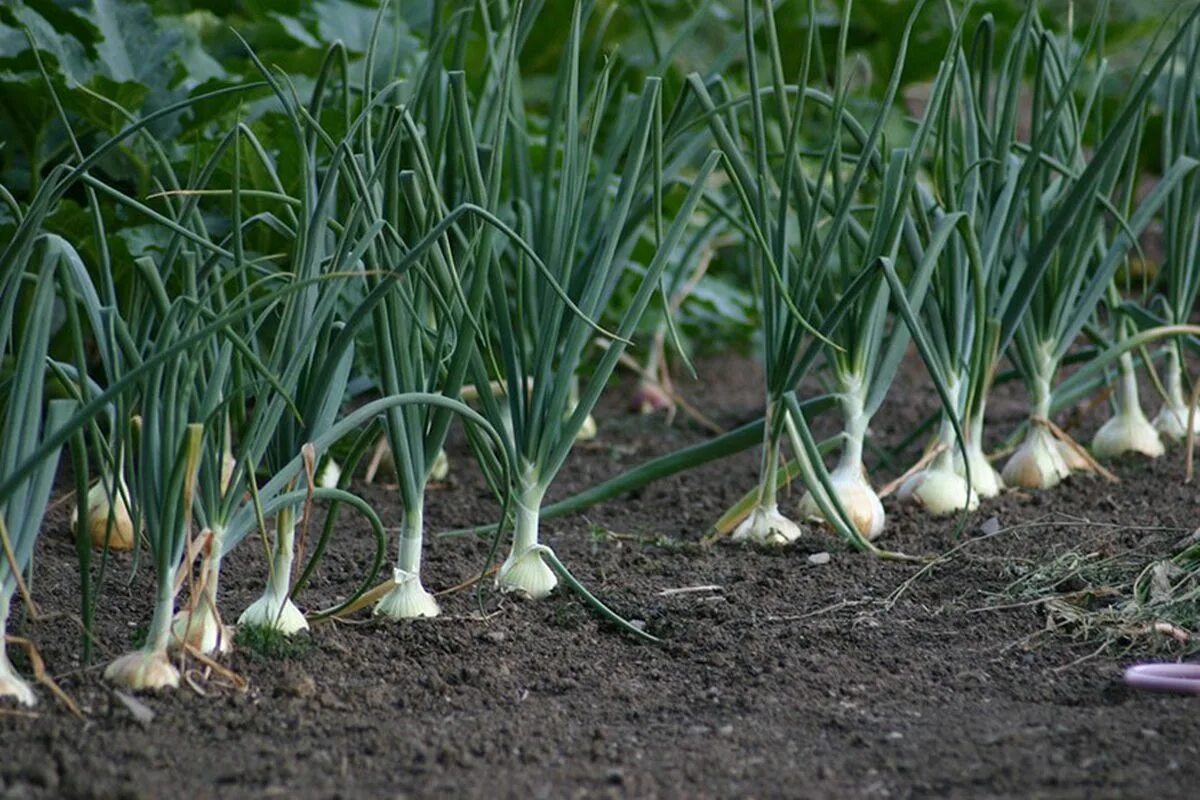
[990, 526]
[817, 559]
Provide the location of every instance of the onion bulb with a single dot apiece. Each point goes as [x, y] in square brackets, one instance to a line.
[201, 629]
[274, 610]
[1075, 460]
[588, 430]
[407, 599]
[939, 489]
[11, 684]
[650, 398]
[527, 575]
[857, 497]
[1127, 431]
[985, 480]
[766, 525]
[382, 462]
[441, 466]
[121, 536]
[329, 475]
[143, 669]
[1172, 420]
[1038, 463]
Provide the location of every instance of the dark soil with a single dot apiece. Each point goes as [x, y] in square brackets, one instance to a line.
[781, 678]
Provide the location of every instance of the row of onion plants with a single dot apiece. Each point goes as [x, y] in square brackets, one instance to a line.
[459, 249]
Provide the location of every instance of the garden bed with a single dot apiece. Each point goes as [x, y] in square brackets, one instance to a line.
[778, 675]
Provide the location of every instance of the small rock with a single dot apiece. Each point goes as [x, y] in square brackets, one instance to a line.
[895, 735]
[615, 776]
[140, 711]
[640, 624]
[817, 559]
[1149, 733]
[495, 637]
[725, 730]
[990, 526]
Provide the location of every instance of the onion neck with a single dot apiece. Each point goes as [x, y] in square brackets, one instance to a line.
[280, 580]
[159, 636]
[212, 565]
[1041, 397]
[1127, 391]
[855, 422]
[529, 505]
[5, 665]
[411, 535]
[768, 485]
[975, 429]
[947, 435]
[1174, 384]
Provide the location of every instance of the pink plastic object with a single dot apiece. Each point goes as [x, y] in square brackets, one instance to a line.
[1172, 678]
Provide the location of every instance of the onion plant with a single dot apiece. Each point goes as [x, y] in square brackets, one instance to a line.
[425, 328]
[976, 172]
[378, 250]
[25, 338]
[576, 217]
[1128, 430]
[303, 334]
[1181, 220]
[824, 236]
[1067, 255]
[168, 441]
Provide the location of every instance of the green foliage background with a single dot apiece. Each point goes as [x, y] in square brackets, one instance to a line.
[115, 60]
